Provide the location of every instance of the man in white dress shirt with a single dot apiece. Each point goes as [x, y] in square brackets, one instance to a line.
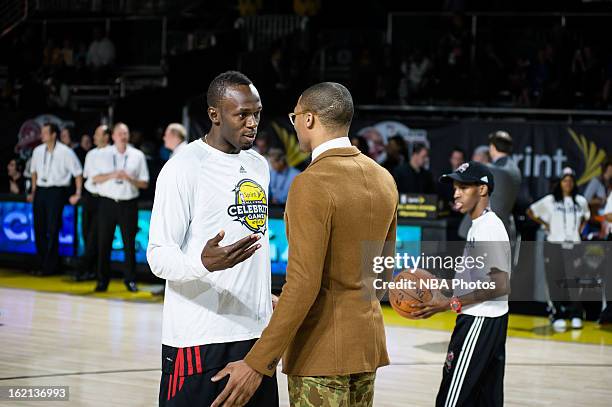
[53, 165]
[125, 173]
[175, 138]
[94, 163]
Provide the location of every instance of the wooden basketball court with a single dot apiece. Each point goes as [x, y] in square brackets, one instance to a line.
[108, 352]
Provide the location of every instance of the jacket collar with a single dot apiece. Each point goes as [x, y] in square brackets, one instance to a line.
[337, 152]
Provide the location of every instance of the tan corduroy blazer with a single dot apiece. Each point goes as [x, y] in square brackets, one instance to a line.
[340, 211]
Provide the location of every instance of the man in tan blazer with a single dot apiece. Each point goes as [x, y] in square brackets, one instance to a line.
[340, 214]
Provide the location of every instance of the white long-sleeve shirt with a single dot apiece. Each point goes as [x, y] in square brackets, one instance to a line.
[198, 194]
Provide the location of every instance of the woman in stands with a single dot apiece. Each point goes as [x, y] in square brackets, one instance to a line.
[562, 214]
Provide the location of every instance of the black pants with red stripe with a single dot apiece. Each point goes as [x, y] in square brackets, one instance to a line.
[186, 374]
[473, 373]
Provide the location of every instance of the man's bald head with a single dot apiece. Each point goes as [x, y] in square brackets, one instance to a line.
[331, 102]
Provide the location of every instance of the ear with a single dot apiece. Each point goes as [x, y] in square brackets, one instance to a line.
[310, 120]
[483, 190]
[213, 114]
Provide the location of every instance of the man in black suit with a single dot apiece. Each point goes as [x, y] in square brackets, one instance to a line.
[412, 176]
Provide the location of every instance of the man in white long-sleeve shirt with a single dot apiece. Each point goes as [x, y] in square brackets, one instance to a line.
[217, 297]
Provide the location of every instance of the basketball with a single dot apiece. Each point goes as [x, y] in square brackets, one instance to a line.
[404, 299]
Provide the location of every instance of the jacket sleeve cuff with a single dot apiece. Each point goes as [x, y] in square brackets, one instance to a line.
[259, 365]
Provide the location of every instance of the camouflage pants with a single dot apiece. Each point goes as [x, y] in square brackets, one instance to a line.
[355, 390]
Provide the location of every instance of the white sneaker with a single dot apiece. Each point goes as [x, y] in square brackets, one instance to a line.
[576, 323]
[559, 325]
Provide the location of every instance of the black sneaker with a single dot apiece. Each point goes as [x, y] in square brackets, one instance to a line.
[131, 286]
[101, 287]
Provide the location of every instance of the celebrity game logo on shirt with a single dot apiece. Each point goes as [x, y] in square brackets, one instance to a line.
[251, 207]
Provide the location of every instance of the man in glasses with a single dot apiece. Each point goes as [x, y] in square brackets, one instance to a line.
[208, 239]
[328, 325]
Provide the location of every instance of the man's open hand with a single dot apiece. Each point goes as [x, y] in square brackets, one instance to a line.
[215, 257]
[242, 384]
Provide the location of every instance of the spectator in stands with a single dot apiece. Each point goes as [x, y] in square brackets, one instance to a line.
[83, 147]
[415, 70]
[58, 92]
[519, 82]
[492, 72]
[68, 55]
[397, 153]
[360, 143]
[16, 180]
[52, 58]
[454, 58]
[80, 61]
[101, 54]
[262, 142]
[545, 77]
[175, 138]
[481, 154]
[446, 191]
[137, 138]
[608, 215]
[562, 215]
[66, 137]
[587, 75]
[376, 143]
[278, 68]
[457, 158]
[364, 66]
[596, 191]
[413, 176]
[281, 176]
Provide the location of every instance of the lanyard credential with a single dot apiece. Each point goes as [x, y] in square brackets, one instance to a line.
[47, 170]
[125, 157]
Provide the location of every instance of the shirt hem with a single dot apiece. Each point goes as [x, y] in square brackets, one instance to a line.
[212, 340]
